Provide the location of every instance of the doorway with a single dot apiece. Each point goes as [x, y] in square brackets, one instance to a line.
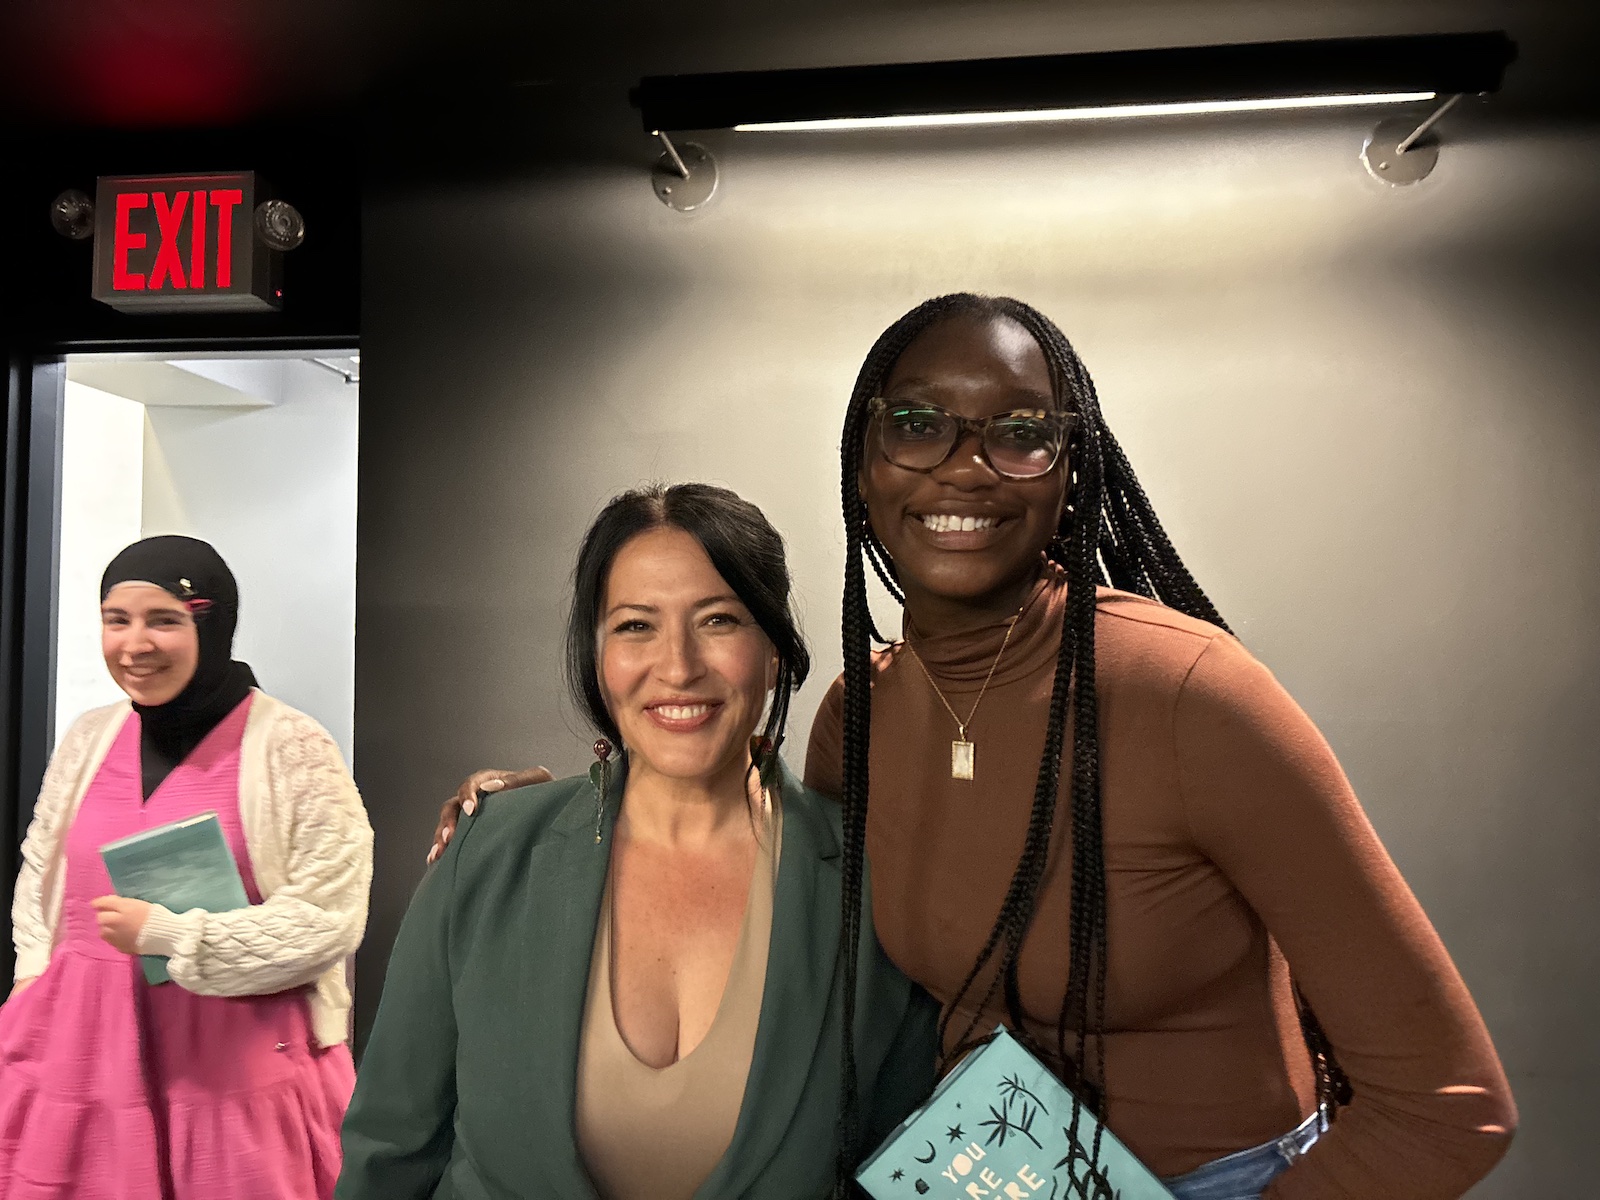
[253, 452]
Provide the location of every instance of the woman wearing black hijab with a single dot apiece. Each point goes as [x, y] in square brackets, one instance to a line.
[232, 1079]
[176, 565]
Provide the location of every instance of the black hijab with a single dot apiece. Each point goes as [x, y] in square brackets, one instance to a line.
[195, 575]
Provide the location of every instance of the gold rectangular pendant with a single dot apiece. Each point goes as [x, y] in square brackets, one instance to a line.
[963, 757]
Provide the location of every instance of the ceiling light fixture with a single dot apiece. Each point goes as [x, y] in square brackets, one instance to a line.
[1328, 73]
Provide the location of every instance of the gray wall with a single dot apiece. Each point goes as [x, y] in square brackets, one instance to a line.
[1368, 417]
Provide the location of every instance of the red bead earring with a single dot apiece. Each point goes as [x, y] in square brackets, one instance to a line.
[600, 777]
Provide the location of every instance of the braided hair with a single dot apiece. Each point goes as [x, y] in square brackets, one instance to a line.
[1108, 535]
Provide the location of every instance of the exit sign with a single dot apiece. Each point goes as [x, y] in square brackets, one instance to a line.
[170, 243]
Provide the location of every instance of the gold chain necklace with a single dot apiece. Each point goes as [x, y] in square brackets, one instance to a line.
[963, 753]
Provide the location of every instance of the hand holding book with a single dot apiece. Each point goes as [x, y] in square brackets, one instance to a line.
[183, 866]
[121, 920]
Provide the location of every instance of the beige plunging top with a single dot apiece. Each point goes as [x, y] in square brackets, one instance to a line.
[648, 1134]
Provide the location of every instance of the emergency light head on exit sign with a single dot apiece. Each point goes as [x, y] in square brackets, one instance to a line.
[170, 243]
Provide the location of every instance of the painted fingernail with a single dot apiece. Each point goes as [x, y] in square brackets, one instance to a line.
[470, 807]
[447, 834]
[494, 785]
[433, 854]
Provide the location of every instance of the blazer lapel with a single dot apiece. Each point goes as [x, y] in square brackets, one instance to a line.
[566, 875]
[798, 994]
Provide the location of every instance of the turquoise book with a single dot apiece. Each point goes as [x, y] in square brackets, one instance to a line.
[1001, 1126]
[181, 866]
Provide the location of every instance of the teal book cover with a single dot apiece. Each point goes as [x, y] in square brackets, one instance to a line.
[181, 866]
[1001, 1125]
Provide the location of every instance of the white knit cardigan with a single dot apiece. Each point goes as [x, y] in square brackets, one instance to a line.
[310, 848]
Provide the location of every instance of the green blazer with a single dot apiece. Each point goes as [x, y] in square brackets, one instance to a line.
[466, 1088]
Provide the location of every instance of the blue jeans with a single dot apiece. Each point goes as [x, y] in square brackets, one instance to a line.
[1243, 1175]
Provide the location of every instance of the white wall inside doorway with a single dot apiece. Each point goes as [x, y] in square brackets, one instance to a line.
[102, 482]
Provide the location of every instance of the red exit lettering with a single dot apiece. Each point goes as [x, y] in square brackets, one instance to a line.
[123, 279]
[170, 270]
[183, 243]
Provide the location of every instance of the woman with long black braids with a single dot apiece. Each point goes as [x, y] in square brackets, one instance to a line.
[1207, 903]
[232, 1079]
[1092, 815]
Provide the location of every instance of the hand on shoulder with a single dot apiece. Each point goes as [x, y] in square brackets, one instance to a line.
[472, 792]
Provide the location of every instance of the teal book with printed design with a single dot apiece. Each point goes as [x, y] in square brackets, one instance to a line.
[181, 866]
[1001, 1126]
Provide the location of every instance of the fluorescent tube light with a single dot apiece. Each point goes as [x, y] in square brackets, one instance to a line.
[1077, 87]
[1096, 113]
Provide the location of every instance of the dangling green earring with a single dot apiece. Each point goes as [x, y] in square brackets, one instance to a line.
[600, 777]
[764, 753]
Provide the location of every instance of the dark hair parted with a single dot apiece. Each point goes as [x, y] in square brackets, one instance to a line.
[1108, 535]
[744, 548]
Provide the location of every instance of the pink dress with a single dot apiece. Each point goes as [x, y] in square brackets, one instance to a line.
[236, 1089]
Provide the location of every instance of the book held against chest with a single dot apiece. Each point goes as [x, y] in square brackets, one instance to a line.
[180, 866]
[1001, 1126]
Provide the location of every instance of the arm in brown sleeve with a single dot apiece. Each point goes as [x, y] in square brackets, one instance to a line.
[1267, 802]
[825, 751]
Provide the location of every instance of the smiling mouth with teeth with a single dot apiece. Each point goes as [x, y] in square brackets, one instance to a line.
[682, 712]
[947, 523]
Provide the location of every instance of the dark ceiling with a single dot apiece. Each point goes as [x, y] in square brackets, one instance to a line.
[130, 64]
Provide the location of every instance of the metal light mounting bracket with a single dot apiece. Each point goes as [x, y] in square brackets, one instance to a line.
[1397, 151]
[685, 177]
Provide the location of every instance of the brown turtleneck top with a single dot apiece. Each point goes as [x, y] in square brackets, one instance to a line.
[1232, 842]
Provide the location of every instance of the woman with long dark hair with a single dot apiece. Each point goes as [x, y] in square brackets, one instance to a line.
[1092, 815]
[1148, 862]
[628, 987]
